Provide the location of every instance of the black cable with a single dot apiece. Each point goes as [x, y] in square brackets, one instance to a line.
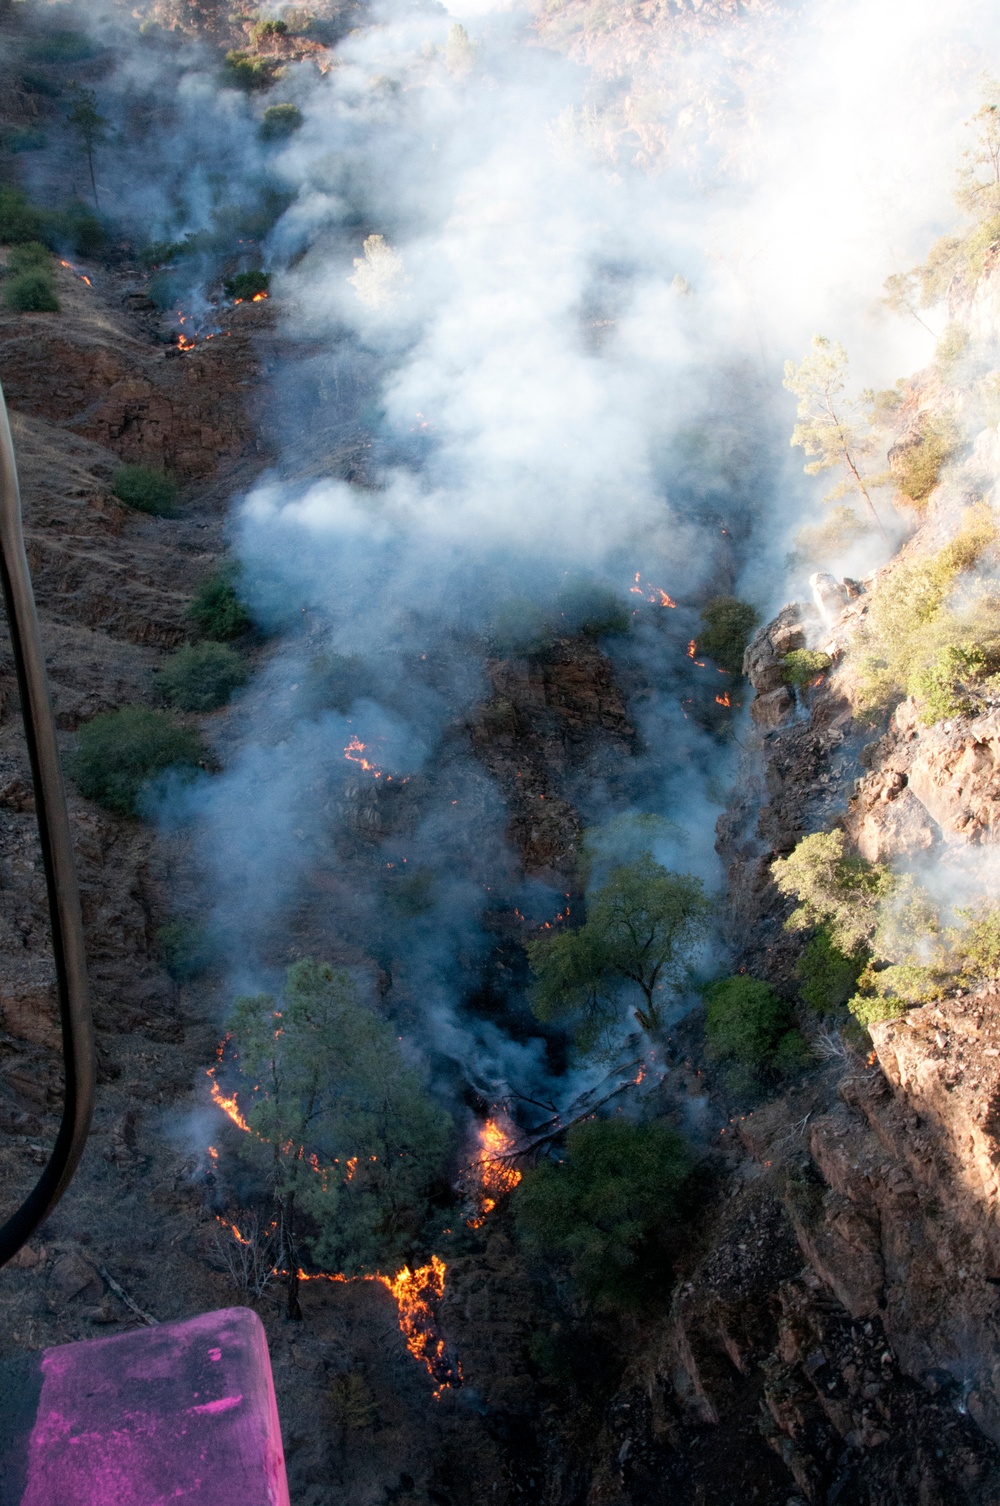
[57, 857]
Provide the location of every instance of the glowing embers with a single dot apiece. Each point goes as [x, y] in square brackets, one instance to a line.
[492, 1173]
[650, 593]
[257, 298]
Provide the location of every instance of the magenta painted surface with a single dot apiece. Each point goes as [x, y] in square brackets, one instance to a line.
[179, 1415]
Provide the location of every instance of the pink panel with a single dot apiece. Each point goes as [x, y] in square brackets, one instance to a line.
[183, 1413]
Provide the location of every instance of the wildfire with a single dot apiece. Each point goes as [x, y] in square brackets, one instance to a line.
[82, 276]
[417, 1294]
[656, 596]
[228, 1106]
[185, 343]
[491, 1175]
[723, 700]
[354, 753]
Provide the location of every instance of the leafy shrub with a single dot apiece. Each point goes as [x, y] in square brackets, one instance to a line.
[977, 943]
[838, 532]
[800, 666]
[246, 285]
[828, 976]
[916, 465]
[606, 1208]
[41, 83]
[951, 347]
[279, 121]
[262, 30]
[944, 686]
[747, 1023]
[593, 610]
[119, 752]
[19, 220]
[729, 623]
[59, 47]
[890, 992]
[183, 948]
[31, 292]
[202, 676]
[217, 609]
[909, 620]
[146, 490]
[241, 71]
[29, 256]
[837, 891]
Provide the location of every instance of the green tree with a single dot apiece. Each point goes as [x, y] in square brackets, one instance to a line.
[835, 429]
[607, 1208]
[728, 624]
[339, 1122]
[979, 177]
[642, 928]
[93, 129]
[746, 1022]
[836, 890]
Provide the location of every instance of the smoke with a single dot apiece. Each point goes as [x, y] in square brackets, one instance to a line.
[560, 362]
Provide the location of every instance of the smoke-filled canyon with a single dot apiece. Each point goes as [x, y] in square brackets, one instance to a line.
[536, 825]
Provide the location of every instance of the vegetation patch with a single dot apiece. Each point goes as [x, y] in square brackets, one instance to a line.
[120, 752]
[748, 1024]
[183, 948]
[202, 676]
[32, 291]
[643, 927]
[607, 1209]
[247, 285]
[342, 1128]
[801, 666]
[828, 977]
[217, 609]
[912, 619]
[146, 490]
[278, 122]
[728, 626]
[916, 465]
[243, 71]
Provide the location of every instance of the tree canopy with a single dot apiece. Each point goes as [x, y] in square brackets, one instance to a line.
[835, 430]
[340, 1123]
[642, 928]
[602, 1208]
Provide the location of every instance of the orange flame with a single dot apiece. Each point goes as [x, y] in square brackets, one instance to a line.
[258, 298]
[657, 597]
[723, 700]
[417, 1294]
[228, 1106]
[354, 753]
[183, 343]
[492, 1175]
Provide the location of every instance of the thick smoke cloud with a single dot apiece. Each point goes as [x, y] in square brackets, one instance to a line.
[565, 359]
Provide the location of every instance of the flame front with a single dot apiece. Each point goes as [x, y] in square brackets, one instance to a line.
[354, 753]
[229, 1106]
[492, 1175]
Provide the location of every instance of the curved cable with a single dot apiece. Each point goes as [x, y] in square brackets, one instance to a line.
[57, 858]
